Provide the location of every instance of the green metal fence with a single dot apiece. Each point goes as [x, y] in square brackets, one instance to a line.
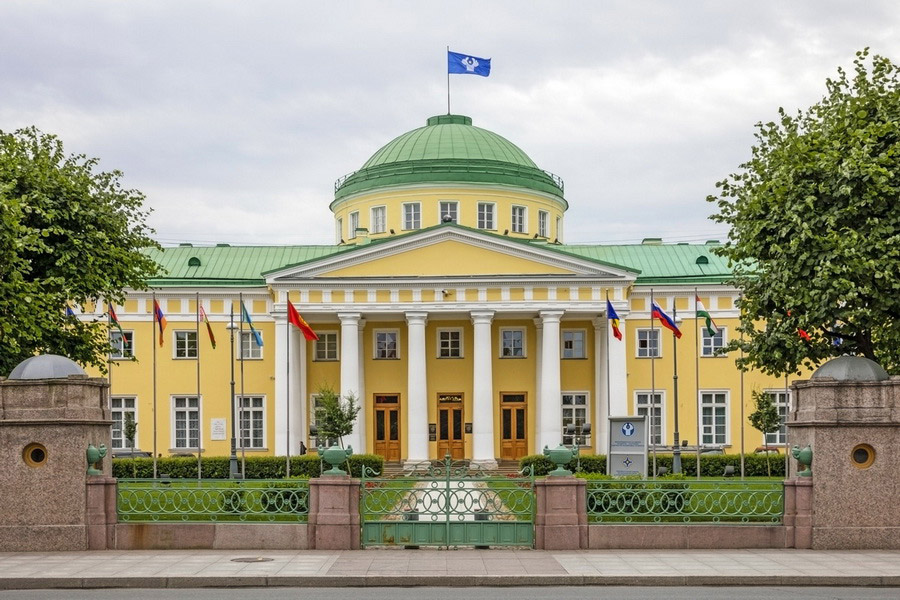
[213, 500]
[685, 501]
[450, 503]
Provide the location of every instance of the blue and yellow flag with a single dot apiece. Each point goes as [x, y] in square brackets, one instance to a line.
[246, 317]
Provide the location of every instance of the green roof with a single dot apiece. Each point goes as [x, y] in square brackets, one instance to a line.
[666, 264]
[449, 149]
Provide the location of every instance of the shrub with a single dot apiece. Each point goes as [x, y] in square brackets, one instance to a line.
[218, 467]
[711, 465]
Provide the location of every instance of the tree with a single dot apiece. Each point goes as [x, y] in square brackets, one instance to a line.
[335, 416]
[815, 228]
[68, 233]
[765, 418]
[129, 431]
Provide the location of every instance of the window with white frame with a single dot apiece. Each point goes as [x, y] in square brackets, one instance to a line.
[543, 223]
[250, 349]
[326, 346]
[315, 413]
[386, 344]
[412, 215]
[121, 345]
[783, 404]
[714, 418]
[379, 219]
[121, 406]
[575, 411]
[185, 344]
[449, 209]
[519, 224]
[573, 343]
[449, 343]
[648, 343]
[651, 406]
[352, 225]
[486, 215]
[251, 414]
[559, 227]
[186, 421]
[512, 343]
[339, 231]
[713, 344]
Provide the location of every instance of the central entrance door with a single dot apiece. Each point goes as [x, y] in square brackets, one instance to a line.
[450, 426]
[387, 426]
[513, 426]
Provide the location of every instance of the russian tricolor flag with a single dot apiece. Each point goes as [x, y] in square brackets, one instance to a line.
[665, 320]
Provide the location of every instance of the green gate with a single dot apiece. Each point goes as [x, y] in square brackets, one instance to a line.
[448, 503]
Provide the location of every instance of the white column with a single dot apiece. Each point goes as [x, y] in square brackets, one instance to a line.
[350, 370]
[417, 390]
[600, 422]
[549, 397]
[483, 391]
[618, 372]
[538, 359]
[298, 419]
[361, 417]
[281, 385]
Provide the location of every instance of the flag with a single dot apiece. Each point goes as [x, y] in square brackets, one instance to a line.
[160, 318]
[613, 319]
[295, 319]
[114, 320]
[246, 317]
[69, 311]
[801, 332]
[212, 338]
[468, 65]
[665, 320]
[702, 313]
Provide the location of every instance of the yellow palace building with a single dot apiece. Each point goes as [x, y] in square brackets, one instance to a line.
[451, 306]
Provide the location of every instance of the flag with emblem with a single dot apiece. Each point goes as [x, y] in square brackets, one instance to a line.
[160, 318]
[296, 320]
[114, 320]
[702, 313]
[465, 64]
[212, 338]
[613, 319]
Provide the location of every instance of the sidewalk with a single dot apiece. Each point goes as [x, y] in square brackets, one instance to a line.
[447, 568]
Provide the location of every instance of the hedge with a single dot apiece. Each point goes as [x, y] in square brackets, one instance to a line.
[711, 465]
[217, 467]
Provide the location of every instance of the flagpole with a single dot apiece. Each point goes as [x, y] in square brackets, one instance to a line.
[287, 404]
[676, 453]
[787, 463]
[699, 335]
[448, 80]
[241, 405]
[153, 343]
[652, 408]
[199, 401]
[743, 449]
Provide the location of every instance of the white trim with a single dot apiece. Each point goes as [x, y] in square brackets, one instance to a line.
[637, 343]
[546, 231]
[351, 226]
[455, 204]
[172, 426]
[239, 348]
[375, 333]
[237, 411]
[562, 345]
[493, 206]
[662, 414]
[587, 412]
[512, 218]
[175, 333]
[126, 332]
[403, 226]
[524, 332]
[337, 342]
[727, 407]
[123, 411]
[437, 337]
[373, 221]
[704, 335]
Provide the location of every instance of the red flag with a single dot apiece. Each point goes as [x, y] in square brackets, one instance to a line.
[212, 338]
[801, 332]
[295, 319]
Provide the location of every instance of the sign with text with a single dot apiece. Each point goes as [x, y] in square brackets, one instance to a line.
[627, 452]
[217, 429]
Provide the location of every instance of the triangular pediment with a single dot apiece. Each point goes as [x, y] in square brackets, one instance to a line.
[449, 251]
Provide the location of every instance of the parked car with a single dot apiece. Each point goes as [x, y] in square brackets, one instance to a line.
[766, 450]
[125, 453]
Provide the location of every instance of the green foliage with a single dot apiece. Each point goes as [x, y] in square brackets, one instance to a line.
[67, 234]
[257, 467]
[815, 227]
[711, 465]
[335, 416]
[765, 418]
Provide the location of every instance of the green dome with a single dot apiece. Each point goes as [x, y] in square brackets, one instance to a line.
[449, 149]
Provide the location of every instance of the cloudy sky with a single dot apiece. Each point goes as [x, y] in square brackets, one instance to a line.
[235, 118]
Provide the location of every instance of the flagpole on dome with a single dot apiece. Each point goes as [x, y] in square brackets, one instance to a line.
[448, 83]
[697, 349]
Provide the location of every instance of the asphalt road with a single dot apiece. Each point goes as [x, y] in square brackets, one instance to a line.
[480, 593]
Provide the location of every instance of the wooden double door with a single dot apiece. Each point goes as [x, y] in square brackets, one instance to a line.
[387, 426]
[450, 426]
[513, 426]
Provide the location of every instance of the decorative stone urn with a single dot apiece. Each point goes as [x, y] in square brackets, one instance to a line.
[559, 456]
[335, 456]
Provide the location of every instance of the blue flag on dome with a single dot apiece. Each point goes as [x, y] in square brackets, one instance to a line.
[468, 65]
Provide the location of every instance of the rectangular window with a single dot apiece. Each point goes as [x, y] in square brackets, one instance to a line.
[783, 403]
[327, 346]
[386, 344]
[512, 343]
[486, 215]
[352, 225]
[559, 227]
[574, 411]
[186, 414]
[251, 414]
[519, 224]
[648, 343]
[573, 343]
[121, 345]
[249, 348]
[713, 344]
[379, 219]
[449, 209]
[449, 343]
[653, 409]
[543, 223]
[339, 231]
[714, 420]
[315, 413]
[120, 407]
[185, 344]
[412, 216]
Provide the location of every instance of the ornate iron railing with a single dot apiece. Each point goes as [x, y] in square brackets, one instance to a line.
[448, 503]
[217, 500]
[685, 501]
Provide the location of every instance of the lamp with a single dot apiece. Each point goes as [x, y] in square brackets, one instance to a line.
[232, 461]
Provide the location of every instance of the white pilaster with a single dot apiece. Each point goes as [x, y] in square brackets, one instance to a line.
[350, 370]
[417, 390]
[281, 383]
[483, 391]
[618, 373]
[298, 420]
[600, 421]
[538, 360]
[549, 398]
[361, 417]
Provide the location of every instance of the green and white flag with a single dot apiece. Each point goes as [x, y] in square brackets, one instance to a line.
[702, 313]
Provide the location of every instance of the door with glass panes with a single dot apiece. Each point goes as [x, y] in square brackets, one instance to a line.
[387, 426]
[450, 426]
[513, 426]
